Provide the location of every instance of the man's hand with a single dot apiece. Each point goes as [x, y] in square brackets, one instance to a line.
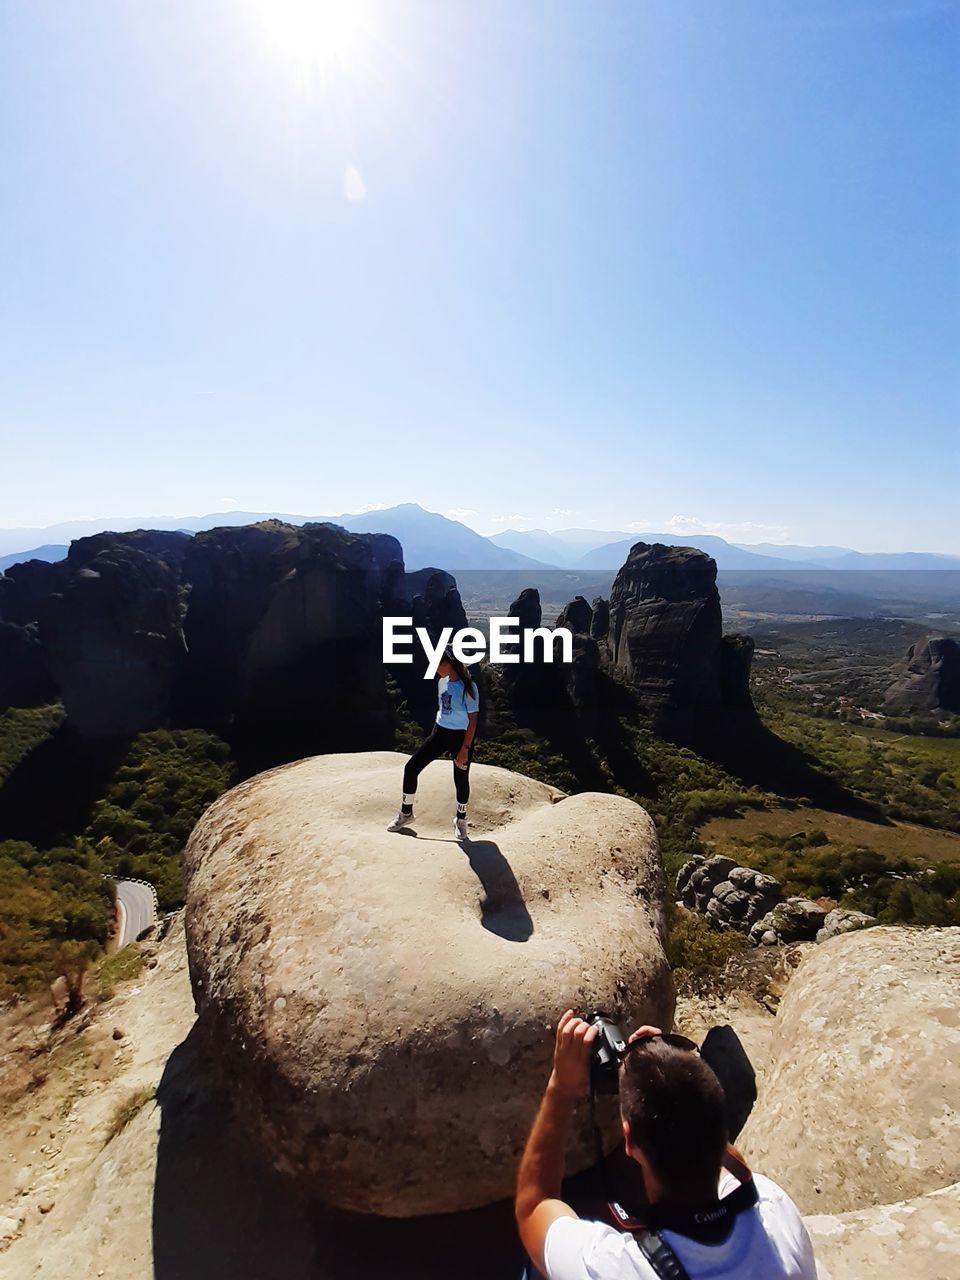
[460, 759]
[571, 1056]
[644, 1031]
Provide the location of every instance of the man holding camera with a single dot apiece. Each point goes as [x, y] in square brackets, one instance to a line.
[706, 1215]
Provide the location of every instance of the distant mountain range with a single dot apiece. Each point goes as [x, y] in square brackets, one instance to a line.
[52, 552]
[430, 539]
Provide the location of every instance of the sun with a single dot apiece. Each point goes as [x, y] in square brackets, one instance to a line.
[316, 33]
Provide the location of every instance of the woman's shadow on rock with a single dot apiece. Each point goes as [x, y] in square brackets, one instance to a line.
[219, 1209]
[502, 908]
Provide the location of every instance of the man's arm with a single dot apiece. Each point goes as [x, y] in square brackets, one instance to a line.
[538, 1203]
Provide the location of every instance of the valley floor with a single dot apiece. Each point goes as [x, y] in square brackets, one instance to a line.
[894, 839]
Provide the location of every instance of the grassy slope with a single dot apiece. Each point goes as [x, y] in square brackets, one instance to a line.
[55, 905]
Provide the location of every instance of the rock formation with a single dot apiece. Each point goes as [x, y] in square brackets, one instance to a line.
[435, 600]
[110, 632]
[101, 628]
[931, 682]
[736, 658]
[860, 1107]
[579, 676]
[843, 920]
[529, 614]
[600, 620]
[731, 897]
[24, 678]
[284, 632]
[267, 632]
[380, 1007]
[666, 633]
[735, 897]
[794, 920]
[577, 616]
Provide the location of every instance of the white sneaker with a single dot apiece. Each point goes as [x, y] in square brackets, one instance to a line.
[459, 828]
[401, 821]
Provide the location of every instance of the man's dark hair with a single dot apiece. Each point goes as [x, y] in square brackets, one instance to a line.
[674, 1107]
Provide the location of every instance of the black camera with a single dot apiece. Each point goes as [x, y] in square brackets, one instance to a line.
[608, 1050]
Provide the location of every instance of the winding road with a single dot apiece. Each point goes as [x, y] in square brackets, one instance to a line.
[137, 910]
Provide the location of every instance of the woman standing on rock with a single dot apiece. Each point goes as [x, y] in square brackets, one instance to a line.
[453, 732]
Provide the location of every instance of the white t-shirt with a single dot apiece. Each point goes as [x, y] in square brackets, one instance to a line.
[768, 1242]
[454, 704]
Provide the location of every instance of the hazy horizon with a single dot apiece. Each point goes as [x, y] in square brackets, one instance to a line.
[678, 526]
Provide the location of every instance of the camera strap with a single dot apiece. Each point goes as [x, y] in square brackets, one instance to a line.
[663, 1261]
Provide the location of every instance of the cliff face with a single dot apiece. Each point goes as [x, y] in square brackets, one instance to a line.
[283, 631]
[931, 681]
[666, 633]
[103, 625]
[265, 629]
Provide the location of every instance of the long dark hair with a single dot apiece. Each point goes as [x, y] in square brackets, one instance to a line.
[463, 672]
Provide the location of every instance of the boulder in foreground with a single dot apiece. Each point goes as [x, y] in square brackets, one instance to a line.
[861, 1106]
[381, 1006]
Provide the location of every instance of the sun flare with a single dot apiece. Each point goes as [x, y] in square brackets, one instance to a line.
[316, 33]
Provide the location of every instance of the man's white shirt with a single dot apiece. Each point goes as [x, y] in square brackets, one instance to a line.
[768, 1242]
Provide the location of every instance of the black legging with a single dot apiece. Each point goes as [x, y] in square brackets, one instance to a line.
[439, 742]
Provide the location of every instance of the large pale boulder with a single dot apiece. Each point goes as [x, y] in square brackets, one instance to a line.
[381, 1007]
[861, 1105]
[920, 1237]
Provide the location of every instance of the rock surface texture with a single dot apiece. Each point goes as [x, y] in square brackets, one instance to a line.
[861, 1106]
[862, 1244]
[931, 681]
[381, 1006]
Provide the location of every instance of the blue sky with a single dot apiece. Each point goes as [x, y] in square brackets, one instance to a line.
[544, 264]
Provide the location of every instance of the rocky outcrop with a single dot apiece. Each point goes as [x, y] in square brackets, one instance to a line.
[736, 659]
[580, 676]
[267, 632]
[860, 1107]
[730, 896]
[735, 897]
[284, 632]
[380, 1007]
[554, 688]
[666, 633]
[435, 600]
[529, 614]
[600, 620]
[110, 635]
[795, 920]
[100, 628]
[843, 920]
[577, 616]
[931, 682]
[24, 678]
